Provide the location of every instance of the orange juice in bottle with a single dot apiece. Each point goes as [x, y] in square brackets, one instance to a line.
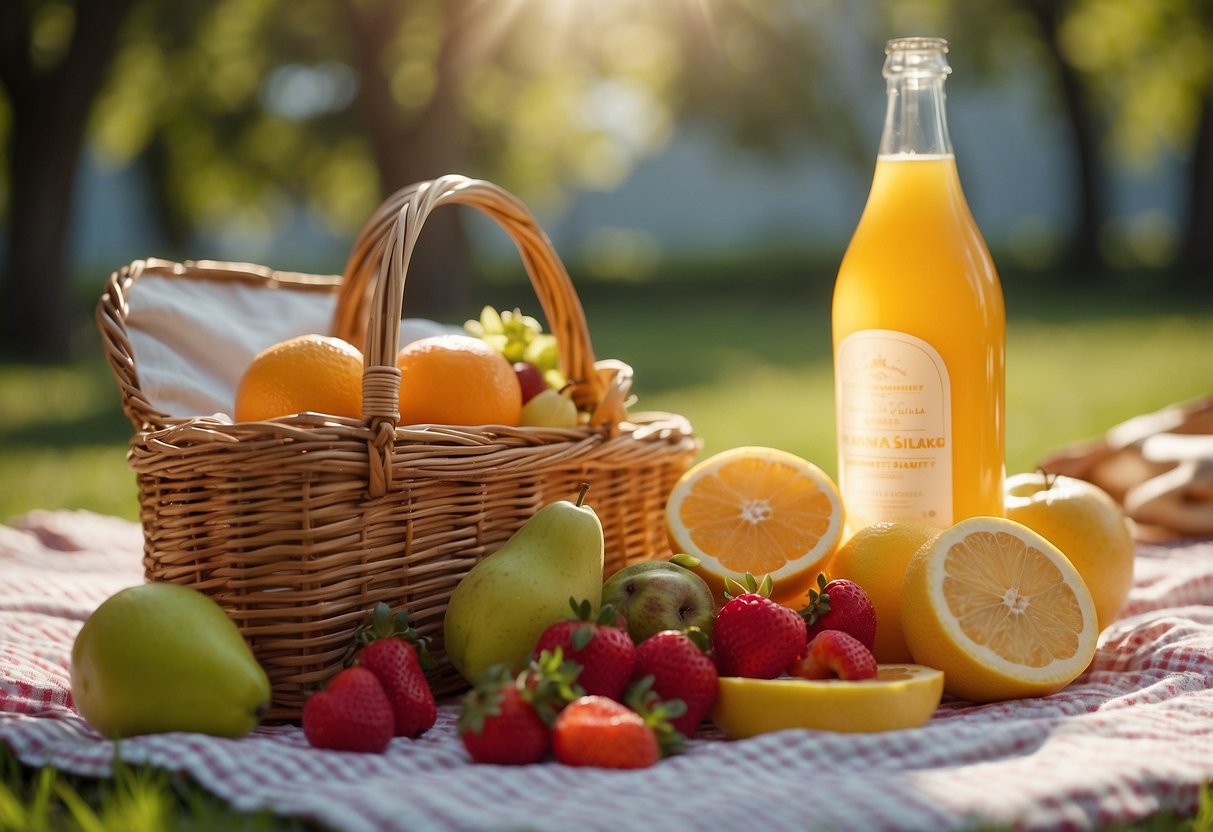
[919, 328]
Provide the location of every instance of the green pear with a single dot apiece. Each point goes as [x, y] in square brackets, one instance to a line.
[501, 607]
[161, 657]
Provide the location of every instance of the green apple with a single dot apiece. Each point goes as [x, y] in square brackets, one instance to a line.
[658, 595]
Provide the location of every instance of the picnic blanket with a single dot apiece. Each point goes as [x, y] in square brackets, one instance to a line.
[1131, 737]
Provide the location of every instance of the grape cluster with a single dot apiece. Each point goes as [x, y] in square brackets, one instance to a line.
[519, 337]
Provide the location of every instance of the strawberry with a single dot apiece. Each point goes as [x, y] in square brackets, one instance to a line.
[351, 714]
[680, 668]
[601, 646]
[597, 731]
[753, 635]
[508, 719]
[833, 654]
[841, 605]
[396, 654]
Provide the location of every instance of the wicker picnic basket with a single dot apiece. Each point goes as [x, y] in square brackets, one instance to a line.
[299, 525]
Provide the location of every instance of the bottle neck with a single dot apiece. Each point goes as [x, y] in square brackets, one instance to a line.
[915, 120]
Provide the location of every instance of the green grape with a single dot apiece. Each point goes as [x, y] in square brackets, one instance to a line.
[516, 336]
[513, 351]
[496, 341]
[489, 324]
[491, 320]
[543, 352]
[526, 326]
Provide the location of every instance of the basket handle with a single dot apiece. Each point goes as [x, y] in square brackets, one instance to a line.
[375, 273]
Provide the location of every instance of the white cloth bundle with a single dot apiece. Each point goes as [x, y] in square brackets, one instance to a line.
[1159, 466]
[192, 339]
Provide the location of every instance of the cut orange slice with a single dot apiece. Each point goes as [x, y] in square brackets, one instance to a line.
[757, 510]
[901, 696]
[999, 610]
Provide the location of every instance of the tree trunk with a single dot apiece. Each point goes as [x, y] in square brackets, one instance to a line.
[173, 224]
[1196, 258]
[49, 114]
[1083, 257]
[36, 304]
[411, 150]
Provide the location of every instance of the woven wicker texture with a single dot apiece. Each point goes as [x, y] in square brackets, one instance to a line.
[299, 525]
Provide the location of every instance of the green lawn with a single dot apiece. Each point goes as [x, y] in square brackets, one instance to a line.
[745, 365]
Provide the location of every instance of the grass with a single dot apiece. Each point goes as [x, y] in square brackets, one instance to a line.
[134, 800]
[747, 365]
[748, 362]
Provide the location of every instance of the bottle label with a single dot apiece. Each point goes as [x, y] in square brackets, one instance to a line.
[894, 411]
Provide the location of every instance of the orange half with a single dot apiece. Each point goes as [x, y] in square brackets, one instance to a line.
[758, 510]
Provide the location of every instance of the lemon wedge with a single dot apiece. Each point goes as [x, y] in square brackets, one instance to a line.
[901, 696]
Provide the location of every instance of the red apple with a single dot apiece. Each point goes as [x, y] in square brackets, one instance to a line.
[530, 379]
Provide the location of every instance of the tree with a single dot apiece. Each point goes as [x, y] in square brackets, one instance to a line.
[1197, 251]
[1134, 83]
[244, 110]
[999, 42]
[1084, 256]
[412, 147]
[541, 96]
[1149, 66]
[53, 56]
[542, 105]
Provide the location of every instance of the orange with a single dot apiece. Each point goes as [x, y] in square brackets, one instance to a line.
[999, 610]
[314, 373]
[457, 380]
[757, 510]
[875, 557]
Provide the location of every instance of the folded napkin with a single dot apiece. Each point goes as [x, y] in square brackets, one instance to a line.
[192, 339]
[1159, 466]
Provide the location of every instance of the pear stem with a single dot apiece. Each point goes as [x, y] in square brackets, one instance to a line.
[585, 486]
[1049, 478]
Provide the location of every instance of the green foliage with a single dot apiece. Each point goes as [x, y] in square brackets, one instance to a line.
[243, 110]
[1150, 63]
[550, 97]
[239, 109]
[138, 799]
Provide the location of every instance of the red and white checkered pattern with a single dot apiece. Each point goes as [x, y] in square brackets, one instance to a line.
[1132, 736]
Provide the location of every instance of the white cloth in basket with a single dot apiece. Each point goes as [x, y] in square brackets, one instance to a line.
[192, 339]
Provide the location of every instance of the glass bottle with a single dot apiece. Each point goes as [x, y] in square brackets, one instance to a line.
[919, 327]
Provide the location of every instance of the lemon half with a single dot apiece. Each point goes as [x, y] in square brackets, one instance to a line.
[999, 609]
[901, 696]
